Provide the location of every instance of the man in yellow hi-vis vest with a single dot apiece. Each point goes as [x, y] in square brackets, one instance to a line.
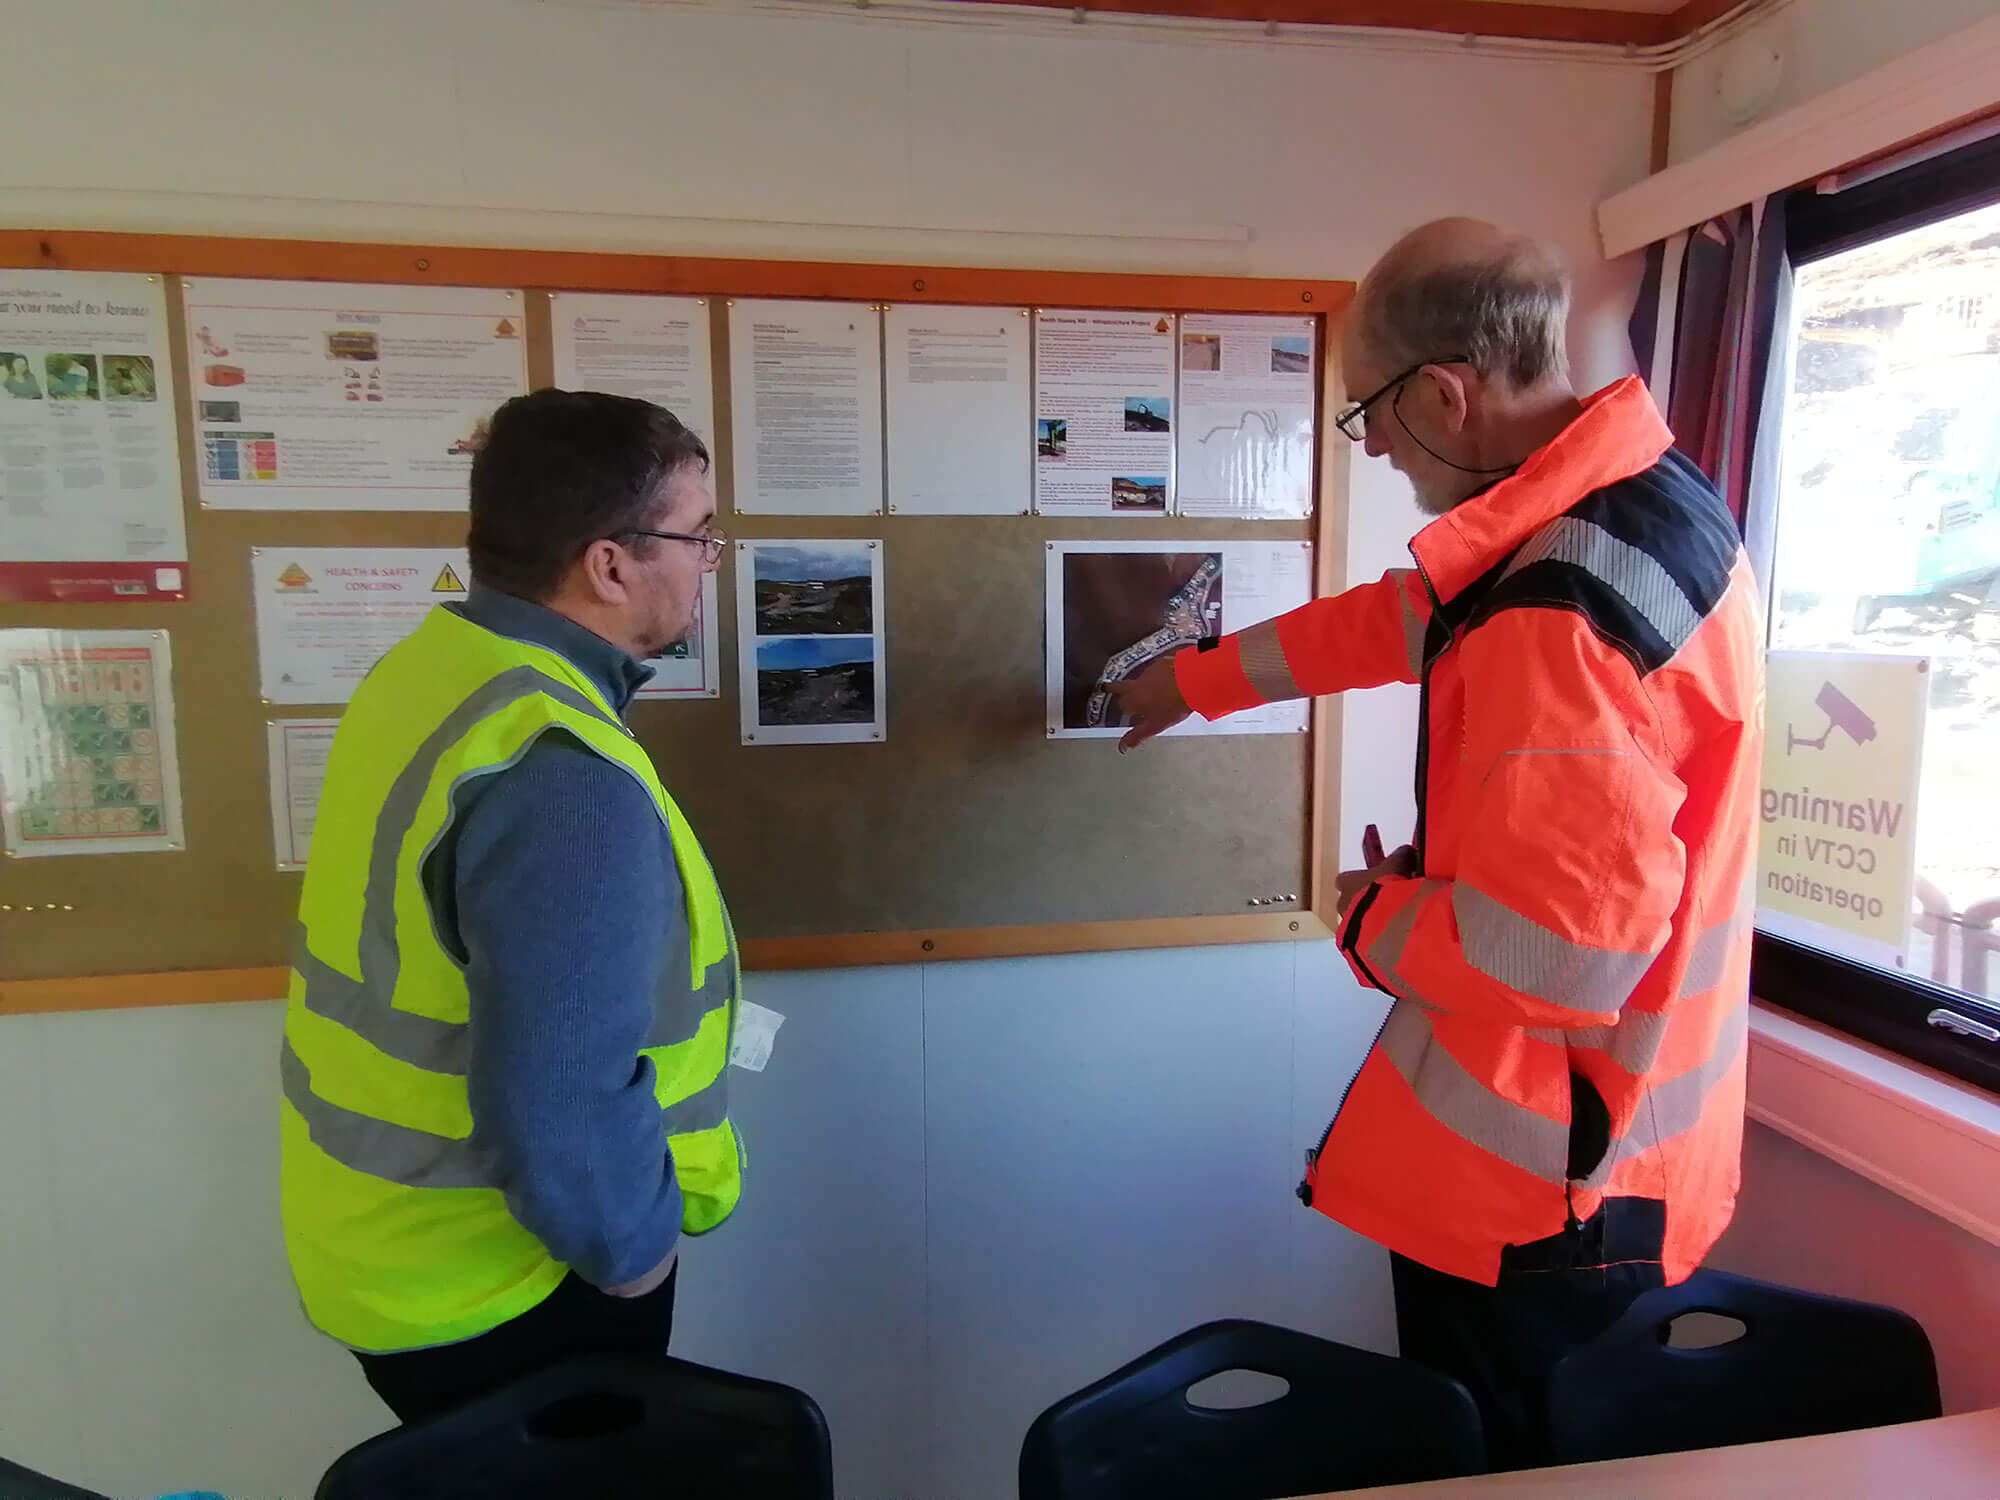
[514, 981]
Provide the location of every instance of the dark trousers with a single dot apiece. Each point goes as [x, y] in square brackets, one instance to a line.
[1554, 1295]
[576, 1318]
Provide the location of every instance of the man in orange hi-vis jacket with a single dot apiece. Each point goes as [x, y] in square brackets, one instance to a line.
[1551, 1120]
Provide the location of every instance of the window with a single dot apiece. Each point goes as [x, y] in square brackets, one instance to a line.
[1883, 782]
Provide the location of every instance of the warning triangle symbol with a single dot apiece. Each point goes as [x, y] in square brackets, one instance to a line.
[447, 582]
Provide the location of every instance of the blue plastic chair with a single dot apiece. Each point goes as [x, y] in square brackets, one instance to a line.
[603, 1425]
[1349, 1419]
[1804, 1365]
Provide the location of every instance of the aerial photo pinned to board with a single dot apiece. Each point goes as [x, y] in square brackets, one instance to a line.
[1116, 608]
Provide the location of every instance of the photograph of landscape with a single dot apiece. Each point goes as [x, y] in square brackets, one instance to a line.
[1291, 355]
[1149, 414]
[815, 680]
[815, 589]
[1139, 492]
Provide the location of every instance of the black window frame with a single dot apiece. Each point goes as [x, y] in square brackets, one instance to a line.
[1891, 1010]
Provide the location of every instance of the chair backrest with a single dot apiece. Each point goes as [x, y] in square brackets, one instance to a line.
[635, 1428]
[1349, 1418]
[1804, 1364]
[17, 1483]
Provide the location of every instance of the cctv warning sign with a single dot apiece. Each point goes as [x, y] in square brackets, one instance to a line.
[1837, 847]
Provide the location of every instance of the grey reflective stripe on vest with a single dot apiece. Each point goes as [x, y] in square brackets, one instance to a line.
[1674, 1106]
[1264, 665]
[396, 1153]
[1465, 1106]
[422, 1041]
[1708, 963]
[1530, 1140]
[1635, 576]
[700, 1111]
[1386, 952]
[1634, 1041]
[365, 1006]
[1526, 956]
[678, 1013]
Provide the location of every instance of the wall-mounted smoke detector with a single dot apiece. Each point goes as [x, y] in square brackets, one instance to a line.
[1751, 68]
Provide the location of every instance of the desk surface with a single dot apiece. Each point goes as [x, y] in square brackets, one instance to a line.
[1953, 1458]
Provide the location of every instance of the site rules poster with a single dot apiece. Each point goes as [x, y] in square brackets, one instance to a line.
[1837, 841]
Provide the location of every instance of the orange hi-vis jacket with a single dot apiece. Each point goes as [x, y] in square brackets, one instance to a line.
[1571, 966]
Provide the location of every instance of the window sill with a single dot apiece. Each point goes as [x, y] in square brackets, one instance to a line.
[1917, 1132]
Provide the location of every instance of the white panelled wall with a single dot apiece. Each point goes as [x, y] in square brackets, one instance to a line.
[974, 1186]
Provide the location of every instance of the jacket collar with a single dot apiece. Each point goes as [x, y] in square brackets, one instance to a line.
[1619, 434]
[614, 671]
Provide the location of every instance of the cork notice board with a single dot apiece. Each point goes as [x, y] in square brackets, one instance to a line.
[969, 832]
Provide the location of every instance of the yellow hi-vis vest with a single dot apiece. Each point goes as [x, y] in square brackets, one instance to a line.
[398, 1234]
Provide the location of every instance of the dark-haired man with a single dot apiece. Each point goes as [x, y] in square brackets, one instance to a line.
[514, 978]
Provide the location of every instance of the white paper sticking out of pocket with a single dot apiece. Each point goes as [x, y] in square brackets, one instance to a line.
[756, 1031]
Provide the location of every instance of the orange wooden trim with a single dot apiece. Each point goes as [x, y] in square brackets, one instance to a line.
[1018, 942]
[1491, 18]
[577, 270]
[1663, 121]
[1329, 574]
[124, 991]
[212, 986]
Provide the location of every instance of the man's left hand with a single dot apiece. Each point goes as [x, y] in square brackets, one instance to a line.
[1401, 865]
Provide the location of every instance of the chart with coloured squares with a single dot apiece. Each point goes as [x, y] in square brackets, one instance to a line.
[90, 758]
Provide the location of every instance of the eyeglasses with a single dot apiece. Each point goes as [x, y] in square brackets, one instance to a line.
[713, 545]
[1353, 420]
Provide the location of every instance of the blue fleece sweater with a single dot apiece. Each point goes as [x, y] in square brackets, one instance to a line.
[555, 887]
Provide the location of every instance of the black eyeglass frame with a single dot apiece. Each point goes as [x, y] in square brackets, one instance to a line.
[1351, 419]
[713, 545]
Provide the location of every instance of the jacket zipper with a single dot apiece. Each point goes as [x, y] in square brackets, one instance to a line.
[1424, 722]
[1305, 1188]
[1305, 1191]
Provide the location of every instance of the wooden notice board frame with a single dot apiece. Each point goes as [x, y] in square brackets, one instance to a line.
[537, 271]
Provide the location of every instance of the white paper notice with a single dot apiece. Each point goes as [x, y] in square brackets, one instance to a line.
[958, 410]
[809, 642]
[87, 757]
[805, 383]
[90, 470]
[655, 348]
[1114, 608]
[1246, 419]
[1104, 413]
[298, 750]
[756, 1034]
[325, 615]
[321, 396]
[691, 669]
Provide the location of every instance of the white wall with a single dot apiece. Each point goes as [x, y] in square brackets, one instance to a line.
[974, 1186]
[1824, 43]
